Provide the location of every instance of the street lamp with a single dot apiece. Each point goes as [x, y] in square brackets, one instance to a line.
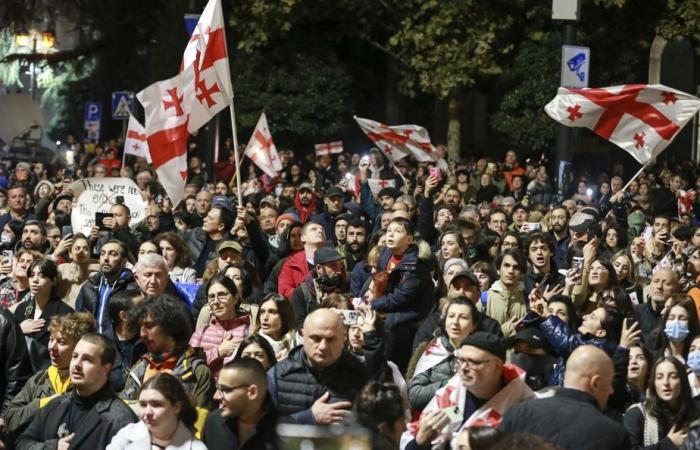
[38, 41]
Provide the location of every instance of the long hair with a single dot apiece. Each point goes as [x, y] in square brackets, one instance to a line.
[284, 309]
[171, 388]
[378, 403]
[182, 250]
[168, 312]
[47, 268]
[262, 342]
[662, 342]
[687, 412]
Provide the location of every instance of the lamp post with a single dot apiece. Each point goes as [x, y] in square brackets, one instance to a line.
[41, 42]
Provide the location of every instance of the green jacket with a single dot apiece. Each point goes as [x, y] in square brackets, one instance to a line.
[25, 405]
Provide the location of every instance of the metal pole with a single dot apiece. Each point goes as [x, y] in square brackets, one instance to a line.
[564, 133]
[32, 74]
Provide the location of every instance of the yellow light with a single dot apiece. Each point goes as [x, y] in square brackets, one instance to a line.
[23, 39]
[48, 39]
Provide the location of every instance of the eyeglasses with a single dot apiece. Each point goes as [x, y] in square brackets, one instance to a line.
[228, 390]
[219, 297]
[472, 363]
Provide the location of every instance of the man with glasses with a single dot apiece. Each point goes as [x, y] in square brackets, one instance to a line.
[246, 417]
[165, 327]
[498, 221]
[483, 389]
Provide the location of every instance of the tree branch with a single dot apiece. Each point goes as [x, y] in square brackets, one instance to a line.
[56, 57]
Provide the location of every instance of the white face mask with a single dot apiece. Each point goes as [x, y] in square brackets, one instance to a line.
[5, 237]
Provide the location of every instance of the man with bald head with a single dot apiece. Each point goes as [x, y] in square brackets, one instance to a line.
[572, 418]
[317, 382]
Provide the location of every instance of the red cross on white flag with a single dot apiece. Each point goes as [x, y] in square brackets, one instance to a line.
[261, 149]
[331, 148]
[377, 185]
[181, 105]
[399, 141]
[642, 119]
[135, 142]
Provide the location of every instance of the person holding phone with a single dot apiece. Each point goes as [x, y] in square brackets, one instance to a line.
[113, 226]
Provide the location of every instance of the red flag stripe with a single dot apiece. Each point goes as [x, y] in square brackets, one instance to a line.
[168, 144]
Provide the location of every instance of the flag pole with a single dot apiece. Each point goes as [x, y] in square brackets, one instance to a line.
[639, 172]
[235, 153]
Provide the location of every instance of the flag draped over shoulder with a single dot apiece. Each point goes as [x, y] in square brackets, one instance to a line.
[135, 142]
[399, 141]
[641, 119]
[176, 107]
[261, 149]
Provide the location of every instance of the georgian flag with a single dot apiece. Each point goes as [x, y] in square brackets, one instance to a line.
[399, 141]
[261, 149]
[331, 148]
[433, 355]
[641, 119]
[135, 142]
[377, 185]
[182, 104]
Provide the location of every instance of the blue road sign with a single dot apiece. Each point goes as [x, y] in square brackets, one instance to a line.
[93, 111]
[122, 105]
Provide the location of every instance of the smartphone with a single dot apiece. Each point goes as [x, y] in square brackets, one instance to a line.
[99, 216]
[629, 321]
[454, 414]
[364, 159]
[66, 230]
[349, 317]
[533, 226]
[7, 256]
[577, 263]
[435, 172]
[648, 233]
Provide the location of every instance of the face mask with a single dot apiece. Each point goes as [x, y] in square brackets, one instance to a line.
[4, 237]
[278, 190]
[694, 362]
[676, 330]
[538, 368]
[330, 283]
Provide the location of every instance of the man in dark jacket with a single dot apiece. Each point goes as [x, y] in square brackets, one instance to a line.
[15, 368]
[572, 418]
[98, 288]
[317, 382]
[246, 418]
[90, 415]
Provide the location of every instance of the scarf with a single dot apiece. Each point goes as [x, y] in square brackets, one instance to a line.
[433, 355]
[305, 212]
[164, 362]
[60, 386]
[490, 414]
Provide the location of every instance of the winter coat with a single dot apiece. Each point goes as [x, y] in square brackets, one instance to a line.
[192, 371]
[646, 431]
[136, 436]
[570, 419]
[15, 360]
[422, 387]
[222, 433]
[292, 274]
[294, 385]
[88, 299]
[502, 305]
[38, 342]
[408, 296]
[210, 336]
[101, 423]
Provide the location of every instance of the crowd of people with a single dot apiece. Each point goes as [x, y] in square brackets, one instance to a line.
[463, 304]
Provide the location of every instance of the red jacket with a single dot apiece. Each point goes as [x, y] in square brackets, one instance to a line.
[292, 274]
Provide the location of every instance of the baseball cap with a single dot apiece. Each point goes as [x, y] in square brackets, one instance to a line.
[580, 222]
[466, 274]
[269, 200]
[235, 245]
[307, 186]
[325, 255]
[487, 342]
[222, 201]
[334, 191]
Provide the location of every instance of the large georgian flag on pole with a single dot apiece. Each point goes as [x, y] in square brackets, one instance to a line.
[399, 141]
[181, 105]
[135, 142]
[642, 119]
[262, 150]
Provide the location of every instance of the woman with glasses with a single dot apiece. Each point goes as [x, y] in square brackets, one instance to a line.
[167, 419]
[228, 326]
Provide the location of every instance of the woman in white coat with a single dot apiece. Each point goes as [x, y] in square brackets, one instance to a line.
[167, 419]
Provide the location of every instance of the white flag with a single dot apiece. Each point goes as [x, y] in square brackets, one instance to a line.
[377, 185]
[135, 142]
[262, 150]
[641, 119]
[399, 141]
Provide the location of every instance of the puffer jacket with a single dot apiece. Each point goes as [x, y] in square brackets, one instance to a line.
[408, 296]
[422, 387]
[210, 336]
[192, 371]
[502, 305]
[692, 441]
[564, 341]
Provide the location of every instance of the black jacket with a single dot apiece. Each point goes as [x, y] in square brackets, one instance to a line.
[38, 342]
[16, 368]
[88, 298]
[634, 423]
[101, 423]
[222, 434]
[569, 419]
[294, 385]
[408, 297]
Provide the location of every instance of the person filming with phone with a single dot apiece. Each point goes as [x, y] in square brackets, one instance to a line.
[114, 225]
